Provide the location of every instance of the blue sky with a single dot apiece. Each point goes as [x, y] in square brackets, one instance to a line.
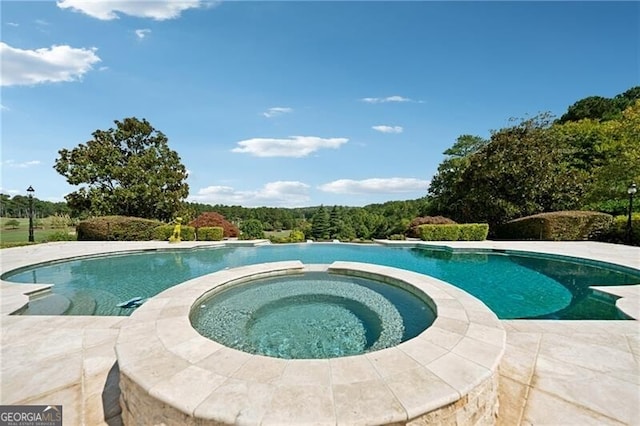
[297, 103]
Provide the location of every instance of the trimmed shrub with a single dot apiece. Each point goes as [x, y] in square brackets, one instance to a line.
[116, 228]
[556, 226]
[210, 233]
[164, 232]
[296, 236]
[618, 232]
[412, 230]
[215, 219]
[454, 232]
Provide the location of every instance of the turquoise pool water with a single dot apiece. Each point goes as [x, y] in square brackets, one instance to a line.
[512, 285]
[312, 315]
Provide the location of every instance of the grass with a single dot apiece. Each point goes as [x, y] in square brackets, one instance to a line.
[19, 236]
[279, 234]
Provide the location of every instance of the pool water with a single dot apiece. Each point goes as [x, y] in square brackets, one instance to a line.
[314, 315]
[512, 285]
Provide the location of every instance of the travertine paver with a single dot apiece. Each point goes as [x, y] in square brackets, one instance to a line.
[175, 381]
[521, 399]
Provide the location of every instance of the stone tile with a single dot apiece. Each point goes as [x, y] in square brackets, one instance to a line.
[493, 335]
[422, 351]
[262, 369]
[545, 409]
[391, 361]
[518, 364]
[441, 337]
[225, 362]
[352, 369]
[593, 356]
[97, 337]
[525, 341]
[306, 372]
[148, 372]
[237, 402]
[487, 355]
[420, 391]
[186, 389]
[600, 392]
[367, 403]
[312, 405]
[196, 349]
[458, 372]
[42, 377]
[451, 325]
[69, 397]
[512, 396]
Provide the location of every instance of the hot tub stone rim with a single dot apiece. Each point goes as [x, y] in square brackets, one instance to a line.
[459, 369]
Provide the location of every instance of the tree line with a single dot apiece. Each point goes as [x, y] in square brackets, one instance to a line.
[583, 160]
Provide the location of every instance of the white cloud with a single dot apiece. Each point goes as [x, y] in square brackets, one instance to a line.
[375, 186]
[23, 165]
[106, 10]
[13, 24]
[142, 33]
[272, 194]
[388, 129]
[9, 191]
[54, 64]
[294, 146]
[394, 98]
[276, 111]
[42, 22]
[4, 108]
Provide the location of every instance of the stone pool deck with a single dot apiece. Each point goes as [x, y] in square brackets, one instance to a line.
[552, 372]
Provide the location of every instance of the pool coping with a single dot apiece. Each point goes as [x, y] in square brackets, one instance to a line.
[179, 368]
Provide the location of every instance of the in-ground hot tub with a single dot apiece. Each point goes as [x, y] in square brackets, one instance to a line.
[446, 374]
[312, 315]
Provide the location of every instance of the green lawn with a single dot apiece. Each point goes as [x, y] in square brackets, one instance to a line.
[11, 236]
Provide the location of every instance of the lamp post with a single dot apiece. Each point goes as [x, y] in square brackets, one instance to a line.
[631, 191]
[30, 191]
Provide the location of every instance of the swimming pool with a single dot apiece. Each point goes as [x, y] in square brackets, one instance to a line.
[513, 285]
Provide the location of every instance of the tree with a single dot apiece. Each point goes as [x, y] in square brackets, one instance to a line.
[251, 229]
[443, 200]
[620, 165]
[127, 170]
[320, 224]
[524, 170]
[600, 108]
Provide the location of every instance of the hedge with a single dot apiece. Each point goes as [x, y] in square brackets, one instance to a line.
[164, 232]
[116, 228]
[454, 232]
[210, 233]
[618, 232]
[556, 226]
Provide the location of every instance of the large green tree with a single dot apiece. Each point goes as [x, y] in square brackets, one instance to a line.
[442, 189]
[522, 171]
[127, 170]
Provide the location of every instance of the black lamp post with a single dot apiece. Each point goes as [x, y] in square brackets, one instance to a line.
[30, 191]
[631, 191]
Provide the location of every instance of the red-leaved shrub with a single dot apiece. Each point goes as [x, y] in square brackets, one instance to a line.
[215, 219]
